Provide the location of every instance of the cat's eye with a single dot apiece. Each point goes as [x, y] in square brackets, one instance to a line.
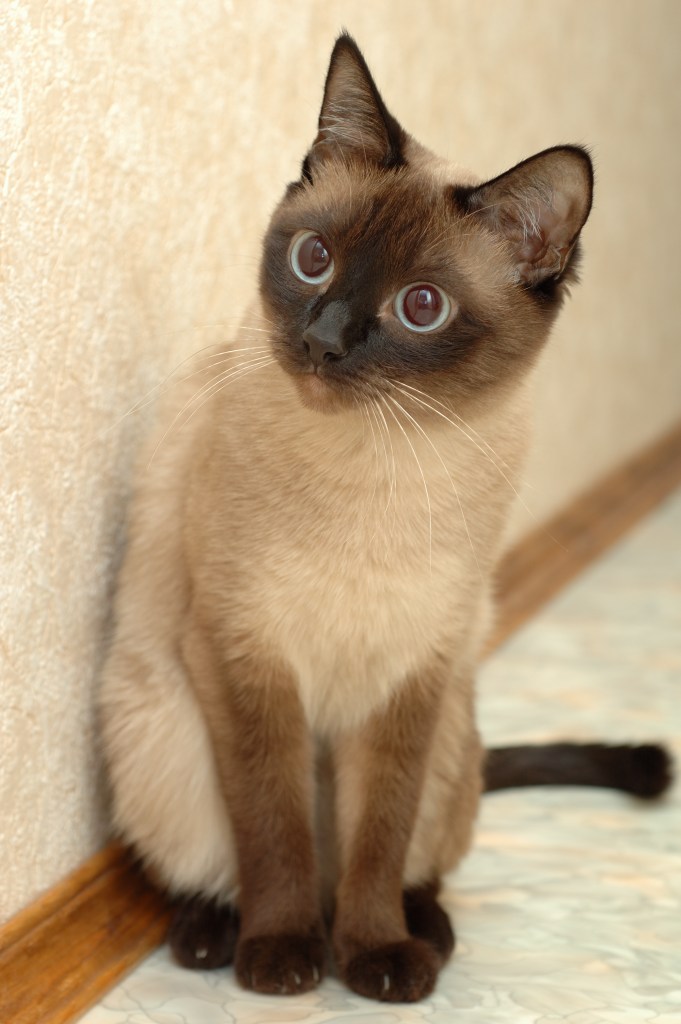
[310, 258]
[422, 307]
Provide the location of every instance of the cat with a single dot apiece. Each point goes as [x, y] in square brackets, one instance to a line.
[287, 705]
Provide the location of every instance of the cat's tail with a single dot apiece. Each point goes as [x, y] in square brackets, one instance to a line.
[644, 770]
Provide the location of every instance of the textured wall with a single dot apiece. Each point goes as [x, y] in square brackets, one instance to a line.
[141, 147]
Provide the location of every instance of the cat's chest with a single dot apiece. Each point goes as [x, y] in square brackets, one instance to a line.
[348, 639]
[354, 565]
[355, 609]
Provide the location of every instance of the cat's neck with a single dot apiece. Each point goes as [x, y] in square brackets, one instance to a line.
[371, 445]
[274, 423]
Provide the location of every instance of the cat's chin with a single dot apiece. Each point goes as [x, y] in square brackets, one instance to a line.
[318, 395]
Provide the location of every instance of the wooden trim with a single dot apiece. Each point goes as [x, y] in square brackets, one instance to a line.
[61, 954]
[545, 561]
[66, 950]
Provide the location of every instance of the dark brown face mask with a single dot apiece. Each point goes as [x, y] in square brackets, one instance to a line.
[375, 269]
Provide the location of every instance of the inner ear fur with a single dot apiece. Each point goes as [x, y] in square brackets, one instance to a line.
[539, 207]
[354, 122]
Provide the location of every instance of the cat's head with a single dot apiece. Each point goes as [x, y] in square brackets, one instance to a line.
[379, 266]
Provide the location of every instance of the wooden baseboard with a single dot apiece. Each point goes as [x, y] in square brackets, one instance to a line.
[61, 954]
[545, 561]
[66, 950]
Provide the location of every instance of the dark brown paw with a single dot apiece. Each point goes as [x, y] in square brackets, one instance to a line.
[280, 964]
[402, 972]
[428, 921]
[203, 934]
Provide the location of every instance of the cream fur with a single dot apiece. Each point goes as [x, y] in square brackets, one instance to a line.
[310, 559]
[288, 524]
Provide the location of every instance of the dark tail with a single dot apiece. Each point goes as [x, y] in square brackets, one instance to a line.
[645, 771]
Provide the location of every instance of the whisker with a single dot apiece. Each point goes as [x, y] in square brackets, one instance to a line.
[425, 485]
[393, 478]
[209, 386]
[365, 414]
[449, 409]
[227, 378]
[150, 396]
[207, 392]
[223, 357]
[247, 327]
[449, 477]
[229, 321]
[498, 468]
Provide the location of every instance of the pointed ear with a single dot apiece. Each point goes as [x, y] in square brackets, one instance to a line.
[539, 207]
[354, 122]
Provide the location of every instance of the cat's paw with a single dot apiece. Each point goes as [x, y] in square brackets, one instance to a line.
[402, 972]
[203, 933]
[428, 921]
[280, 964]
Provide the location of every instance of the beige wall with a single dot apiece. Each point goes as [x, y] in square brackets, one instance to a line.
[141, 146]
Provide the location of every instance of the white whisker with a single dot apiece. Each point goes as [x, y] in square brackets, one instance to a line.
[209, 390]
[423, 478]
[449, 477]
[427, 405]
[364, 408]
[393, 478]
[449, 409]
[159, 390]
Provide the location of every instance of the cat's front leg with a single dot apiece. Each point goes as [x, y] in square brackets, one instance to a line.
[264, 757]
[380, 773]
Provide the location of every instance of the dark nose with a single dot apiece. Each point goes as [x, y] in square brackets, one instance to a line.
[323, 339]
[320, 348]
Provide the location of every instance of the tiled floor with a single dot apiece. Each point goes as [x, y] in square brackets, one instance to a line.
[569, 907]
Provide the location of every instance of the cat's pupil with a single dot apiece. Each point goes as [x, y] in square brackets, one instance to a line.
[313, 256]
[422, 305]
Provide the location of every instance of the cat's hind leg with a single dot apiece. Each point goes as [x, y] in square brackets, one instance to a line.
[166, 799]
[427, 920]
[446, 814]
[203, 933]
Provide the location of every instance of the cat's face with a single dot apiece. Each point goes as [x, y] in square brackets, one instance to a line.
[380, 270]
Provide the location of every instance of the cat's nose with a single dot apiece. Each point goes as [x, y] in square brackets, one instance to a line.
[321, 349]
[323, 339]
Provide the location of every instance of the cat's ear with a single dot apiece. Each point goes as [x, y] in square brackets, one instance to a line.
[539, 207]
[354, 121]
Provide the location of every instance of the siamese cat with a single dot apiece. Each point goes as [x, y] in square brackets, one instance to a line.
[287, 706]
